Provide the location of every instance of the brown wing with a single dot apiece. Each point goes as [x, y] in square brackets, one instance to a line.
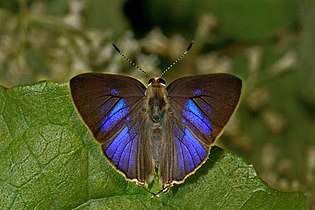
[110, 106]
[200, 107]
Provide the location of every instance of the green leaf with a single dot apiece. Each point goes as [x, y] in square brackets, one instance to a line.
[49, 160]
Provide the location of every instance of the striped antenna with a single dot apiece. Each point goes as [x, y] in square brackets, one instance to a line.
[132, 63]
[178, 59]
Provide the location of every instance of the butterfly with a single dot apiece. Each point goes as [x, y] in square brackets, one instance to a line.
[161, 129]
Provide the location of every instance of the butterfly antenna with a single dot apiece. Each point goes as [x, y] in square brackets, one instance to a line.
[178, 59]
[132, 63]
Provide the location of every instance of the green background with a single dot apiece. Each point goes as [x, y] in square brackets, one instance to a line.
[269, 44]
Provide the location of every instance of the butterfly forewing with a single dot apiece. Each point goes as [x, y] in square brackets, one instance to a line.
[200, 108]
[110, 106]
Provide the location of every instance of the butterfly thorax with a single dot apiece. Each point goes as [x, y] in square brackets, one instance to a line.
[156, 99]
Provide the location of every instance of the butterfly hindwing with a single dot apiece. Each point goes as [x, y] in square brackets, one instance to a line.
[110, 106]
[200, 108]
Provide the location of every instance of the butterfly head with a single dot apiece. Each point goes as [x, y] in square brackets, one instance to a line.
[157, 82]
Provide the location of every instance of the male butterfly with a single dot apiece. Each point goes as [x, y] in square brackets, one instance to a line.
[141, 129]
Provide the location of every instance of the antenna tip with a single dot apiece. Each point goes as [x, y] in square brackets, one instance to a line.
[116, 48]
[190, 45]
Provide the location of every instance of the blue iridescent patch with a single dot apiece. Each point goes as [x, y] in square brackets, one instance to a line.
[193, 113]
[179, 155]
[189, 150]
[116, 142]
[118, 113]
[122, 149]
[124, 156]
[197, 92]
[197, 151]
[114, 92]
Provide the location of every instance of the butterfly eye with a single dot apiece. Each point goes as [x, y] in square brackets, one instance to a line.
[161, 81]
[150, 81]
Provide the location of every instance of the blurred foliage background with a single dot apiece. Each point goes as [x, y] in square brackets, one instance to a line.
[269, 44]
